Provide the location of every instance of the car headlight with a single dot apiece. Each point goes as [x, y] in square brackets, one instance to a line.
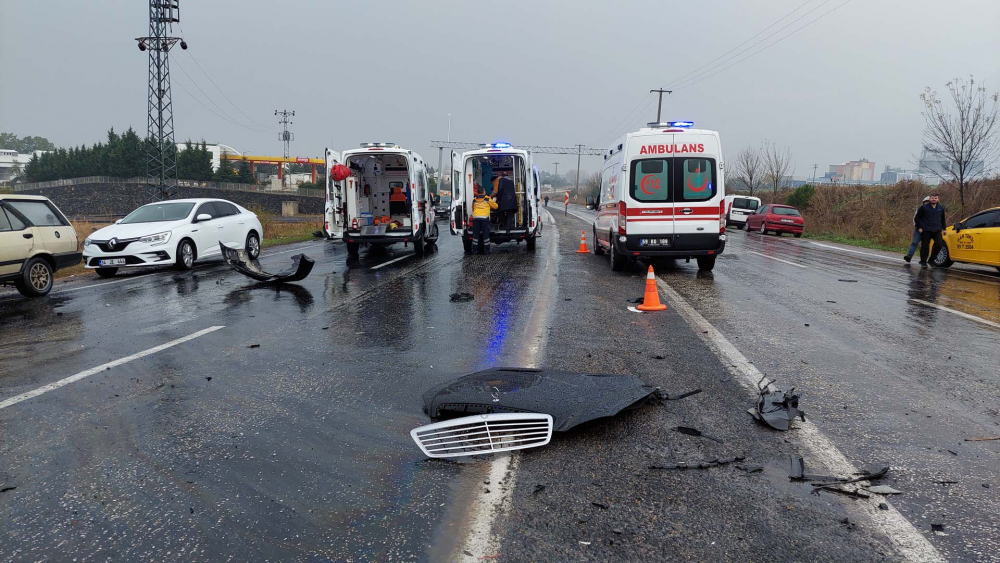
[86, 242]
[158, 238]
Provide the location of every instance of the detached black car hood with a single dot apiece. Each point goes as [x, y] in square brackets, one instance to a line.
[570, 398]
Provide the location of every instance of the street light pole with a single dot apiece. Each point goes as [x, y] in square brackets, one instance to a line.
[659, 105]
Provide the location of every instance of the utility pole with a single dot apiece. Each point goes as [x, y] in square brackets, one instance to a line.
[659, 105]
[579, 152]
[441, 157]
[286, 136]
[815, 166]
[161, 150]
[557, 173]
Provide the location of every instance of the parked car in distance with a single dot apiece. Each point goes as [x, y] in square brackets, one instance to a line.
[974, 240]
[776, 219]
[36, 239]
[442, 206]
[591, 202]
[174, 232]
[739, 207]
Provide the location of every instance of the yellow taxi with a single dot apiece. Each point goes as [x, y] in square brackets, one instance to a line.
[975, 240]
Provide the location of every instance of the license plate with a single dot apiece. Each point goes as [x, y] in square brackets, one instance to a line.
[787, 221]
[654, 242]
[113, 262]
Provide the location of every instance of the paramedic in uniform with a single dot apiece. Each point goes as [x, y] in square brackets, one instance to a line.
[481, 206]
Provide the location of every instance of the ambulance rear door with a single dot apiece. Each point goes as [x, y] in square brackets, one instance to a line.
[647, 197]
[333, 221]
[457, 194]
[698, 195]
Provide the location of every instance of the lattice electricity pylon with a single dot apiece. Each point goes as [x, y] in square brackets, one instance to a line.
[161, 149]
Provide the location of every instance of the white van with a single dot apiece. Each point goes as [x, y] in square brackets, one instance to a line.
[500, 162]
[384, 201]
[739, 207]
[662, 195]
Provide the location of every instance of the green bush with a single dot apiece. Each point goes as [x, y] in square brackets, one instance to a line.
[801, 197]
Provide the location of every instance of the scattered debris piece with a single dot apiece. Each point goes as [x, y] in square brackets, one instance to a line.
[617, 531]
[240, 261]
[5, 489]
[937, 527]
[807, 324]
[658, 357]
[754, 469]
[326, 328]
[952, 452]
[883, 506]
[209, 378]
[584, 543]
[681, 396]
[695, 432]
[828, 301]
[775, 407]
[986, 485]
[883, 490]
[849, 281]
[982, 439]
[570, 398]
[847, 492]
[467, 553]
[704, 464]
[538, 488]
[254, 346]
[600, 505]
[583, 519]
[946, 482]
[637, 301]
[461, 297]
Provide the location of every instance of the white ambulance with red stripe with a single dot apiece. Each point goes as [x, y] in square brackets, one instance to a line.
[662, 195]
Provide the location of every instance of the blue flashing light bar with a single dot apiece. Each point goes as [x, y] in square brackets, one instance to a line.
[497, 145]
[684, 124]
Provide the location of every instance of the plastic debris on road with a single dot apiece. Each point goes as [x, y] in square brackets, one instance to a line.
[775, 407]
[240, 261]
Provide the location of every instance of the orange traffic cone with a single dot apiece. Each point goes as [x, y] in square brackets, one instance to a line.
[651, 301]
[583, 243]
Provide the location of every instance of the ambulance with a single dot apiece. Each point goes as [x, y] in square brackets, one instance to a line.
[662, 195]
[384, 200]
[480, 168]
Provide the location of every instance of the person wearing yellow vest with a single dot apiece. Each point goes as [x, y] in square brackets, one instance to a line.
[481, 206]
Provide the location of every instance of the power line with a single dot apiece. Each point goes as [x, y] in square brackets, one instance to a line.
[195, 98]
[765, 48]
[209, 98]
[647, 98]
[776, 22]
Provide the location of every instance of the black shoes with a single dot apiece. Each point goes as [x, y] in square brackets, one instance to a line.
[907, 257]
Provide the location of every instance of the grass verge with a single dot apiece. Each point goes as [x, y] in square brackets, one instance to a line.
[849, 241]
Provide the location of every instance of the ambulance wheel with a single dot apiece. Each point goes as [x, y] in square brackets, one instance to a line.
[531, 244]
[598, 249]
[618, 261]
[352, 248]
[706, 263]
[467, 244]
[418, 246]
[434, 235]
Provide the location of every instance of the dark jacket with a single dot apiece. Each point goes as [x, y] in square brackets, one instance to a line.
[930, 218]
[506, 198]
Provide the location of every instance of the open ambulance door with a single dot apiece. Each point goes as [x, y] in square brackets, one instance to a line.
[457, 212]
[333, 220]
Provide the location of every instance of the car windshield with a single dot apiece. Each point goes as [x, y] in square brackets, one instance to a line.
[157, 212]
[744, 203]
[446, 201]
[786, 211]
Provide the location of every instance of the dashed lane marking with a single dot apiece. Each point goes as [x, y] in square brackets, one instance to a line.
[96, 285]
[391, 261]
[954, 312]
[87, 373]
[778, 259]
[910, 543]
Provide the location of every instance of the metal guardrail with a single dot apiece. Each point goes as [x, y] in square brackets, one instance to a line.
[140, 181]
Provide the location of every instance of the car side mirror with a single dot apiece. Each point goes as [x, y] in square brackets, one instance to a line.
[957, 226]
[202, 217]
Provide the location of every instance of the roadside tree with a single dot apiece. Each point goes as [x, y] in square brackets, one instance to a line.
[777, 161]
[748, 168]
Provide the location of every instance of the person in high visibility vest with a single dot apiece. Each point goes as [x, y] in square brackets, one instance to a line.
[481, 206]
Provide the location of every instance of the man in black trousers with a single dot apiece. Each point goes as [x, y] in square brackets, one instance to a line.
[930, 221]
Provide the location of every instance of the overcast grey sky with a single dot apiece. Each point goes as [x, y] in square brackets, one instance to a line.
[530, 72]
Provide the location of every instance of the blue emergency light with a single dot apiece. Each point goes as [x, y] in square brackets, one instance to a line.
[501, 145]
[684, 124]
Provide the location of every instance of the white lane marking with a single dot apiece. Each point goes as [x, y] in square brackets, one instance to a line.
[912, 545]
[778, 259]
[392, 261]
[489, 506]
[586, 219]
[959, 313]
[890, 260]
[96, 285]
[84, 374]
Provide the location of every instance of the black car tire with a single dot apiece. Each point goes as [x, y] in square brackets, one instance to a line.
[106, 272]
[418, 247]
[941, 258]
[253, 245]
[706, 263]
[598, 249]
[36, 278]
[531, 243]
[467, 245]
[353, 248]
[185, 255]
[618, 261]
[763, 228]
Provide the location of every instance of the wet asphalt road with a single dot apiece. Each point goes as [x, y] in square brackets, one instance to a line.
[299, 449]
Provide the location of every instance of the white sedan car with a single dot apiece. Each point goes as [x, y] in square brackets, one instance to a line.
[175, 232]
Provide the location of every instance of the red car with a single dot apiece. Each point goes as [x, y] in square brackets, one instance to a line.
[776, 218]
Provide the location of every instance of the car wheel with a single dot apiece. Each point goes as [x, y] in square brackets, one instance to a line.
[706, 263]
[598, 249]
[185, 255]
[530, 242]
[36, 278]
[106, 272]
[353, 248]
[253, 245]
[466, 244]
[798, 235]
[618, 261]
[763, 228]
[418, 246]
[941, 258]
[434, 235]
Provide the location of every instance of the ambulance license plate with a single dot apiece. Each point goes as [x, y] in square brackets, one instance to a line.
[647, 242]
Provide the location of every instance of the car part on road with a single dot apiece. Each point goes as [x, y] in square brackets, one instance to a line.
[570, 398]
[883, 490]
[461, 297]
[240, 261]
[982, 439]
[775, 407]
[682, 395]
[483, 433]
[848, 281]
[695, 432]
[702, 464]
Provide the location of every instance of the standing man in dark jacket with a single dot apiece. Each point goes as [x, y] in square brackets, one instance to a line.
[507, 201]
[930, 221]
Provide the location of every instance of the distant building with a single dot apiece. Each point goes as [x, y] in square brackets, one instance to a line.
[892, 175]
[13, 163]
[855, 171]
[938, 166]
[214, 149]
